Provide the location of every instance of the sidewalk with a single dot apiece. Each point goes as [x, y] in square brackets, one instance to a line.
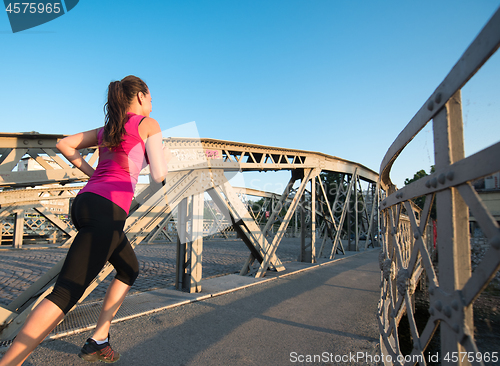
[325, 312]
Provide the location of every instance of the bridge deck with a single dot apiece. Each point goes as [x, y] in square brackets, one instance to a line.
[309, 309]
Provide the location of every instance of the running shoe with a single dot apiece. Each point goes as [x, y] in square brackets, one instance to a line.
[92, 352]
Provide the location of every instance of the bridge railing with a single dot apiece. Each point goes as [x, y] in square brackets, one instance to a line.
[452, 287]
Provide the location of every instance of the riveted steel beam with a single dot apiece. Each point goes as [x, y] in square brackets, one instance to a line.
[36, 195]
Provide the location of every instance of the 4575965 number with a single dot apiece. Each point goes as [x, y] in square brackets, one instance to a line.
[32, 8]
[471, 357]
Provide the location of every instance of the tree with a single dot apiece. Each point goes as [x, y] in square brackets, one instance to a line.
[420, 201]
[332, 183]
[416, 176]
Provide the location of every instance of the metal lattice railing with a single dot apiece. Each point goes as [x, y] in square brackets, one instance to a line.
[35, 228]
[406, 258]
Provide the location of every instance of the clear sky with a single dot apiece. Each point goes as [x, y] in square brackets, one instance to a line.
[342, 77]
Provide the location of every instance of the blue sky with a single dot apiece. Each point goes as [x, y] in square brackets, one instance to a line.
[342, 77]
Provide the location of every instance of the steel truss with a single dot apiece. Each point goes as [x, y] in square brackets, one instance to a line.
[19, 201]
[198, 167]
[405, 254]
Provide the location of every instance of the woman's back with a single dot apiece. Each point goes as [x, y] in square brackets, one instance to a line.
[118, 169]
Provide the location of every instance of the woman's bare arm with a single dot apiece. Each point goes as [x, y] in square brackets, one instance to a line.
[70, 145]
[157, 154]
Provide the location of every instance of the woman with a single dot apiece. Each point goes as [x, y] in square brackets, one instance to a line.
[127, 141]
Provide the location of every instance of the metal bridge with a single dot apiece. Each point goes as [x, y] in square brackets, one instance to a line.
[201, 167]
[200, 171]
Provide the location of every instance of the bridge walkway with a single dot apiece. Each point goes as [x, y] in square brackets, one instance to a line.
[327, 311]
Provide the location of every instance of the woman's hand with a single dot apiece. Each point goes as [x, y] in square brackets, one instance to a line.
[70, 145]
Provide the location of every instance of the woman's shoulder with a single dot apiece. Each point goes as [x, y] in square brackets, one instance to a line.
[148, 127]
[150, 122]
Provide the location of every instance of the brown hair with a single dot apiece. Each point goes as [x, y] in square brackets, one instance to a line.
[120, 95]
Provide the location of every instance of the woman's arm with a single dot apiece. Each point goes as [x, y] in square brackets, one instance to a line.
[157, 154]
[70, 145]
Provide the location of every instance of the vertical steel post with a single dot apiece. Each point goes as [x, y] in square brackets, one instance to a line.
[312, 253]
[307, 248]
[372, 226]
[196, 243]
[355, 187]
[181, 253]
[302, 256]
[452, 217]
[295, 233]
[190, 244]
[374, 218]
[348, 205]
[272, 214]
[17, 239]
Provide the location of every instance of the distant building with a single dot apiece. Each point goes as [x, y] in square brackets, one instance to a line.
[488, 189]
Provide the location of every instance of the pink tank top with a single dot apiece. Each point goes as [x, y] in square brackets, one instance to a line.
[118, 169]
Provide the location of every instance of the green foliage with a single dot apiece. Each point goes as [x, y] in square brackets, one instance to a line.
[420, 201]
[416, 176]
[256, 206]
[332, 183]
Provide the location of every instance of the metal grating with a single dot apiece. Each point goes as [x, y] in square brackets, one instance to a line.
[84, 316]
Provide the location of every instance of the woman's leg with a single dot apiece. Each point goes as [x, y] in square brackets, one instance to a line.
[100, 232]
[42, 320]
[115, 295]
[125, 262]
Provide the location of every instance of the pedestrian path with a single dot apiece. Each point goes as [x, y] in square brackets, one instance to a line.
[309, 315]
[21, 268]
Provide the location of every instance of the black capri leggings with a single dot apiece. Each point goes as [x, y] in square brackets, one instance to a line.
[100, 239]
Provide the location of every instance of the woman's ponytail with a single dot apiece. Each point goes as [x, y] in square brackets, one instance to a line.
[120, 95]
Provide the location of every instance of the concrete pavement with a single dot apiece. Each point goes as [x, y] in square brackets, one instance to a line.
[324, 314]
[20, 268]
